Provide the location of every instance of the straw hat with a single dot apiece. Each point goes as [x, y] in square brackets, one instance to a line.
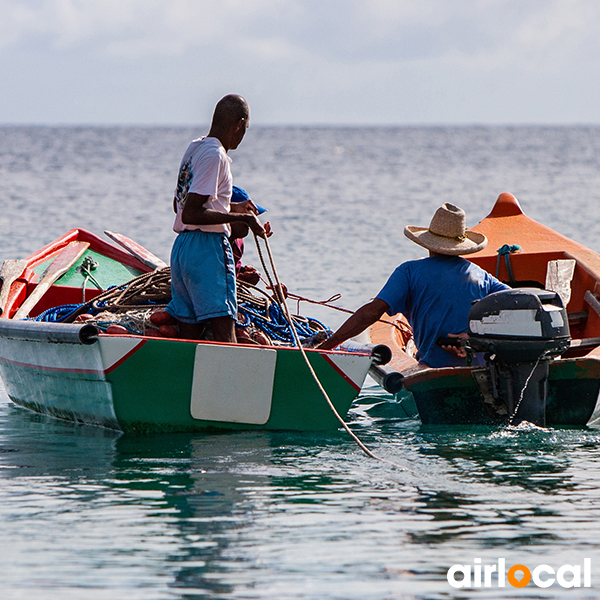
[447, 233]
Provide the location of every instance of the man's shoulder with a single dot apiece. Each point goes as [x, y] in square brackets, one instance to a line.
[414, 262]
[425, 263]
[432, 267]
[206, 147]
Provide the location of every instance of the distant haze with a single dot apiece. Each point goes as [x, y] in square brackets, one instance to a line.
[300, 61]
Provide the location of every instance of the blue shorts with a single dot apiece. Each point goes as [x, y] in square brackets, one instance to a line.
[202, 277]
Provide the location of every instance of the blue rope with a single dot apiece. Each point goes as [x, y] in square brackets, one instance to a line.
[505, 251]
[56, 313]
[272, 322]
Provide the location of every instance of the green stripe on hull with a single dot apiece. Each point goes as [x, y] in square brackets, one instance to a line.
[149, 387]
[298, 403]
[452, 399]
[152, 391]
[573, 387]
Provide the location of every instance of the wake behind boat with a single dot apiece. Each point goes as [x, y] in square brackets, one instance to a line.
[137, 379]
[550, 371]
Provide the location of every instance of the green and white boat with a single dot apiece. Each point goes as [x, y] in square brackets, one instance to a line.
[143, 383]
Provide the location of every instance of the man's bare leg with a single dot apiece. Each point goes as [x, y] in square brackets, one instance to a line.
[223, 329]
[190, 331]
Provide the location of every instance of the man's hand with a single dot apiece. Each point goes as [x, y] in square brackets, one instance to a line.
[247, 206]
[459, 351]
[249, 274]
[255, 225]
[196, 213]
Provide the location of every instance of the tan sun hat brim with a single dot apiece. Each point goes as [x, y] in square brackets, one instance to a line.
[473, 241]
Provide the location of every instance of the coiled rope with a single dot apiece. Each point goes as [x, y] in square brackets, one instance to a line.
[132, 303]
[260, 310]
[150, 290]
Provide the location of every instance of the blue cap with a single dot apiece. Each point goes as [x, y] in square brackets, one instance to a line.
[240, 195]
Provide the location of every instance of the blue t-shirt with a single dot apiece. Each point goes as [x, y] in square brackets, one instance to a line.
[435, 295]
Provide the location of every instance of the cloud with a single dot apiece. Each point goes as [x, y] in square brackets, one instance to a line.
[299, 57]
[347, 31]
[338, 30]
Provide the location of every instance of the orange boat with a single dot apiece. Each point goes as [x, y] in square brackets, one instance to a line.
[530, 257]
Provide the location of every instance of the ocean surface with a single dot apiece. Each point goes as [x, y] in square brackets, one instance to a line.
[87, 513]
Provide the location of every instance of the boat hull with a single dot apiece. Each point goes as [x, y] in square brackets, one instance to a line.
[453, 397]
[139, 384]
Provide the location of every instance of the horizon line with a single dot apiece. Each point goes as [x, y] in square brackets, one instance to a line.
[303, 125]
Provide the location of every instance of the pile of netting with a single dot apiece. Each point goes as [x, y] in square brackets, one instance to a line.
[131, 306]
[259, 311]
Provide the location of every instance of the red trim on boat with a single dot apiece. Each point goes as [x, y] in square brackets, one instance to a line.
[336, 368]
[125, 357]
[80, 371]
[96, 243]
[55, 369]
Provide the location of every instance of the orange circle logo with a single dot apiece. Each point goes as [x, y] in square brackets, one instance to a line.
[518, 582]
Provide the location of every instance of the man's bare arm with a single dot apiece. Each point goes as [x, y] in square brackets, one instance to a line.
[196, 213]
[364, 317]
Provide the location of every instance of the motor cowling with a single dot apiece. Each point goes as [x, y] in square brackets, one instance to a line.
[520, 331]
[519, 325]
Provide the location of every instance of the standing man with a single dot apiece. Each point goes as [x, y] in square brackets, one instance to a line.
[202, 266]
[433, 293]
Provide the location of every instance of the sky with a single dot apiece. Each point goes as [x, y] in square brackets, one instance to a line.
[306, 62]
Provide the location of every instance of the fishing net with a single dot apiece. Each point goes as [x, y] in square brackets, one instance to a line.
[257, 310]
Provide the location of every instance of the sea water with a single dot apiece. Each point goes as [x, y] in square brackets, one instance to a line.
[87, 513]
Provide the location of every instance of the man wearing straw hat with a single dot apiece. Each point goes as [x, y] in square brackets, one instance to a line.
[433, 293]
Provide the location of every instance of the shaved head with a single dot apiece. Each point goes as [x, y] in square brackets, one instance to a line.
[229, 111]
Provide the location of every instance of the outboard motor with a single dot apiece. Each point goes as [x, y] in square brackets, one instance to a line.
[521, 331]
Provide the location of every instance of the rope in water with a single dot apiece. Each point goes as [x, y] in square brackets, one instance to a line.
[277, 290]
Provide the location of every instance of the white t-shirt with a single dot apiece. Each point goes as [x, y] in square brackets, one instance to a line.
[205, 170]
